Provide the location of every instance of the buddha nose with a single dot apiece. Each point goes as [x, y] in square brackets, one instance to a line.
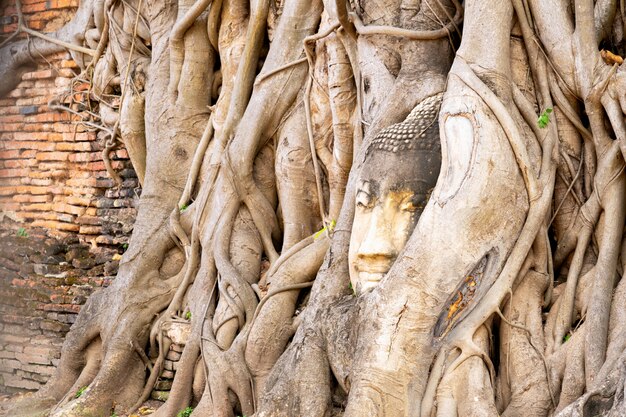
[378, 242]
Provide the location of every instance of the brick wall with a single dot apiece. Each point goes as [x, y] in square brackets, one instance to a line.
[51, 169]
[63, 222]
[43, 282]
[41, 15]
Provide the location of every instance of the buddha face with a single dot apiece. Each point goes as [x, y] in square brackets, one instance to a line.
[382, 224]
[399, 171]
[387, 209]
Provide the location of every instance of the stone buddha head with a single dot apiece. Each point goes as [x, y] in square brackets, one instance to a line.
[400, 169]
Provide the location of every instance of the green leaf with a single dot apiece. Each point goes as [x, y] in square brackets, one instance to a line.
[184, 207]
[185, 413]
[319, 233]
[567, 337]
[330, 227]
[188, 315]
[21, 232]
[80, 392]
[544, 118]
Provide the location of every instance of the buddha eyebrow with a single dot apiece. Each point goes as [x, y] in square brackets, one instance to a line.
[403, 186]
[411, 185]
[368, 186]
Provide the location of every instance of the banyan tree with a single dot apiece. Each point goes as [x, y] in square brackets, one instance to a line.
[364, 208]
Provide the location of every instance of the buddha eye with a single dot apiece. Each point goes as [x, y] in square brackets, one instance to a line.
[364, 200]
[410, 204]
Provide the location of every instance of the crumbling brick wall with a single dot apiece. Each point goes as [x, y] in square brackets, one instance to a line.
[43, 282]
[63, 221]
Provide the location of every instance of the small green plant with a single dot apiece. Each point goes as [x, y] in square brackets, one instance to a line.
[125, 246]
[185, 413]
[188, 315]
[114, 414]
[567, 337]
[21, 232]
[80, 392]
[351, 288]
[544, 119]
[184, 207]
[331, 227]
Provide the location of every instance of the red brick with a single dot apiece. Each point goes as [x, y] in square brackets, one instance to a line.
[39, 181]
[11, 127]
[12, 118]
[52, 156]
[121, 153]
[66, 72]
[79, 201]
[19, 163]
[43, 166]
[79, 136]
[61, 307]
[75, 146]
[37, 207]
[39, 75]
[57, 173]
[12, 173]
[67, 208]
[47, 117]
[35, 7]
[12, 154]
[26, 198]
[68, 63]
[56, 225]
[28, 136]
[38, 145]
[31, 215]
[86, 157]
[28, 153]
[23, 190]
[95, 166]
[8, 28]
[12, 109]
[36, 24]
[90, 230]
[10, 207]
[90, 220]
[62, 4]
[12, 182]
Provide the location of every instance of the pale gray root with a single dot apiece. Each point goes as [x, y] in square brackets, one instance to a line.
[523, 371]
[272, 326]
[132, 131]
[467, 390]
[296, 180]
[342, 92]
